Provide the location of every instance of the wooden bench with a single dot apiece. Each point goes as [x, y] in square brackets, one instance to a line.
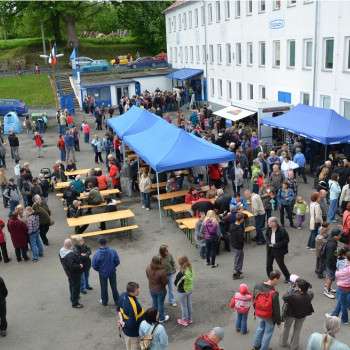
[106, 232]
[92, 206]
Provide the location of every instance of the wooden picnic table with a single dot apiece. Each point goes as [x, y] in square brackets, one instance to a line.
[104, 193]
[62, 185]
[122, 215]
[170, 195]
[189, 224]
[77, 172]
[161, 185]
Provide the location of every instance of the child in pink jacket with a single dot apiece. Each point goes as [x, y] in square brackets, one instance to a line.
[241, 303]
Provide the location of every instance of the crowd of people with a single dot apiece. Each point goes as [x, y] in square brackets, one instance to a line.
[263, 179]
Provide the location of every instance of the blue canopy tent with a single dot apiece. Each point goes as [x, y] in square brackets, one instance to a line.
[319, 124]
[165, 147]
[184, 73]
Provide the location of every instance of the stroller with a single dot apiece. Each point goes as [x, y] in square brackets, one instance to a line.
[47, 176]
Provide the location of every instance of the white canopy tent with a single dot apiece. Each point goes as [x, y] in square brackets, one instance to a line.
[233, 113]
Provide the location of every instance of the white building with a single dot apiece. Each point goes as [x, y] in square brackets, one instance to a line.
[295, 51]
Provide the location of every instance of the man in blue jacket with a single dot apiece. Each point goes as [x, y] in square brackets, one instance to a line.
[299, 158]
[105, 262]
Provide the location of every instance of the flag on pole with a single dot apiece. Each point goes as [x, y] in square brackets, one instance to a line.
[52, 57]
[73, 55]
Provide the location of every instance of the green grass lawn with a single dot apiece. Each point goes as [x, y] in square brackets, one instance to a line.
[34, 90]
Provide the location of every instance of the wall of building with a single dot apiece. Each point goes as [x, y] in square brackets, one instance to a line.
[294, 20]
[156, 82]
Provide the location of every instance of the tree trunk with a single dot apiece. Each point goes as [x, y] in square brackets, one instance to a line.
[72, 38]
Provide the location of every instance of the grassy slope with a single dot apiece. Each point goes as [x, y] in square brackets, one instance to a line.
[34, 90]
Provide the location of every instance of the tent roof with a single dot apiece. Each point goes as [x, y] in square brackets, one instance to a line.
[233, 113]
[319, 124]
[133, 121]
[184, 73]
[165, 147]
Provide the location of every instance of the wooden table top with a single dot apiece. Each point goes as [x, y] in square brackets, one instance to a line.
[170, 195]
[190, 223]
[101, 217]
[178, 208]
[77, 172]
[247, 213]
[61, 185]
[161, 185]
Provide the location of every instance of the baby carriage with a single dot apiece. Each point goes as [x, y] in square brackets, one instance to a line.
[47, 176]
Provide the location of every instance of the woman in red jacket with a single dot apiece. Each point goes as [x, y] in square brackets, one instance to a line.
[19, 236]
[215, 173]
[114, 174]
[38, 140]
[346, 225]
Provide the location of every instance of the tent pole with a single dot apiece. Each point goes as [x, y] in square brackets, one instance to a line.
[123, 152]
[138, 176]
[159, 208]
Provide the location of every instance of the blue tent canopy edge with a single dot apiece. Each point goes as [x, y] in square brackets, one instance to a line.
[184, 73]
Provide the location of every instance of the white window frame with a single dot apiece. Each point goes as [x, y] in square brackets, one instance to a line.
[220, 88]
[181, 54]
[227, 8]
[288, 53]
[343, 101]
[197, 54]
[210, 13]
[228, 54]
[219, 53]
[186, 54]
[323, 98]
[211, 54]
[239, 92]
[324, 54]
[196, 18]
[261, 4]
[175, 55]
[179, 19]
[189, 19]
[261, 89]
[305, 46]
[228, 90]
[184, 20]
[250, 91]
[276, 5]
[217, 11]
[249, 7]
[303, 94]
[174, 24]
[191, 54]
[204, 54]
[250, 57]
[291, 3]
[238, 48]
[238, 9]
[169, 25]
[203, 15]
[261, 44]
[212, 87]
[274, 54]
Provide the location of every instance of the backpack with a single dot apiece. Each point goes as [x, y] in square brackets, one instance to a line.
[263, 304]
[146, 340]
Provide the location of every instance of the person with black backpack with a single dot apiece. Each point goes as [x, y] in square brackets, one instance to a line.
[267, 310]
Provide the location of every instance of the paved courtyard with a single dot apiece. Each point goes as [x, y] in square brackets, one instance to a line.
[39, 312]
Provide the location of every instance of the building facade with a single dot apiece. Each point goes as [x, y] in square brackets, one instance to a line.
[294, 51]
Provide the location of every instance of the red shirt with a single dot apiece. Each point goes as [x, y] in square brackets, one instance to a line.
[70, 120]
[346, 222]
[102, 182]
[113, 174]
[38, 140]
[214, 172]
[60, 144]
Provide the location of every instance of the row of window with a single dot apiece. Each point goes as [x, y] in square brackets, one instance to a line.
[217, 90]
[190, 19]
[192, 54]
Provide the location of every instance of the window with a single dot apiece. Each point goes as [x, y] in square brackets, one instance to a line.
[261, 6]
[186, 54]
[237, 8]
[276, 54]
[202, 15]
[219, 53]
[191, 54]
[169, 25]
[291, 54]
[229, 90]
[345, 107]
[307, 58]
[219, 88]
[249, 54]
[276, 5]
[211, 54]
[325, 101]
[249, 7]
[347, 54]
[238, 54]
[175, 55]
[184, 20]
[228, 54]
[204, 54]
[250, 91]
[212, 87]
[305, 98]
[262, 53]
[227, 10]
[197, 54]
[179, 21]
[210, 14]
[328, 53]
[196, 18]
[262, 92]
[190, 20]
[181, 55]
[239, 91]
[217, 10]
[291, 3]
[174, 22]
